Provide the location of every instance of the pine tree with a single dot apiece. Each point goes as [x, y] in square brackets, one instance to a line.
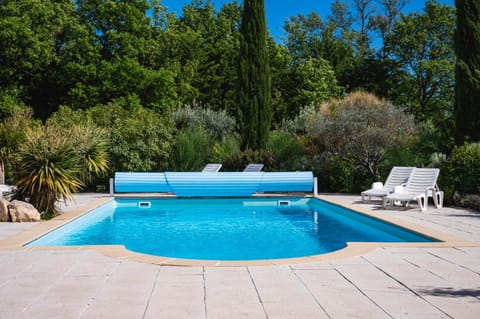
[254, 89]
[467, 71]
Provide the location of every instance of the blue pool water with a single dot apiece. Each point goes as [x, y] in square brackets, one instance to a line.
[226, 229]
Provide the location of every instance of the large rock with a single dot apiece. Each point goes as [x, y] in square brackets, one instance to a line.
[23, 212]
[4, 217]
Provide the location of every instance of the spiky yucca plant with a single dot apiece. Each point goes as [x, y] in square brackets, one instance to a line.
[91, 145]
[47, 167]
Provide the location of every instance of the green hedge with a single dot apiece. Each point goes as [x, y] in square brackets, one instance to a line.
[460, 176]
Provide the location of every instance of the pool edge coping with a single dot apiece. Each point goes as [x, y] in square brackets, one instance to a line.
[17, 241]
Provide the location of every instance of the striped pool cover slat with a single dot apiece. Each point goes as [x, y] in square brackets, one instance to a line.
[135, 182]
[214, 184]
[286, 182]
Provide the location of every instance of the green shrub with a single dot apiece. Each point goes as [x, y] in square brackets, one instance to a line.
[302, 121]
[286, 151]
[12, 135]
[339, 175]
[401, 155]
[140, 138]
[239, 160]
[360, 127]
[191, 151]
[216, 123]
[470, 201]
[460, 174]
[226, 148]
[10, 103]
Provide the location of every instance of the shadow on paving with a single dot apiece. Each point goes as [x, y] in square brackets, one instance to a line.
[451, 292]
[473, 214]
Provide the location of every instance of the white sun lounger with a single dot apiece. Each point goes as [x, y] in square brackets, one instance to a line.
[212, 168]
[253, 168]
[398, 176]
[421, 184]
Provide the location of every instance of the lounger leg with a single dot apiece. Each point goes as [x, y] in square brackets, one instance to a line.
[363, 196]
[422, 203]
[385, 202]
[438, 199]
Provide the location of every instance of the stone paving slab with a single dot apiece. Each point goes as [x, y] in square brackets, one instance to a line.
[231, 290]
[388, 282]
[283, 295]
[337, 296]
[179, 292]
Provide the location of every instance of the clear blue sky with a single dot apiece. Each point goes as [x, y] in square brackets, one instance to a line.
[279, 10]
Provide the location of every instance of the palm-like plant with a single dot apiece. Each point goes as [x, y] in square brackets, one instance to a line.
[92, 148]
[89, 140]
[47, 168]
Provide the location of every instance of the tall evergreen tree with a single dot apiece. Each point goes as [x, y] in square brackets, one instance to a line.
[467, 71]
[254, 89]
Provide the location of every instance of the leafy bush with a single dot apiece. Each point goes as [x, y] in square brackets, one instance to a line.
[225, 149]
[471, 201]
[302, 122]
[460, 174]
[239, 160]
[122, 134]
[216, 123]
[339, 175]
[286, 151]
[191, 151]
[10, 103]
[12, 134]
[314, 82]
[67, 117]
[360, 127]
[140, 138]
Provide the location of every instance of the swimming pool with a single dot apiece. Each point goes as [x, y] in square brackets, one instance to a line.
[226, 229]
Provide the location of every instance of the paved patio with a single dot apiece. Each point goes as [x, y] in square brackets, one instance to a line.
[385, 283]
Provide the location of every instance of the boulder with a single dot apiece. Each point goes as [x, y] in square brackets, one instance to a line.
[23, 212]
[4, 217]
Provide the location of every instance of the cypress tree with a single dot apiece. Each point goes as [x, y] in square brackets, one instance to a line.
[254, 88]
[467, 71]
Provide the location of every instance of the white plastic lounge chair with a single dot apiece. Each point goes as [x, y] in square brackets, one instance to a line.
[253, 168]
[212, 168]
[421, 184]
[398, 176]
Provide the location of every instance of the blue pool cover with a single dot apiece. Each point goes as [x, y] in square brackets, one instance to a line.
[221, 184]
